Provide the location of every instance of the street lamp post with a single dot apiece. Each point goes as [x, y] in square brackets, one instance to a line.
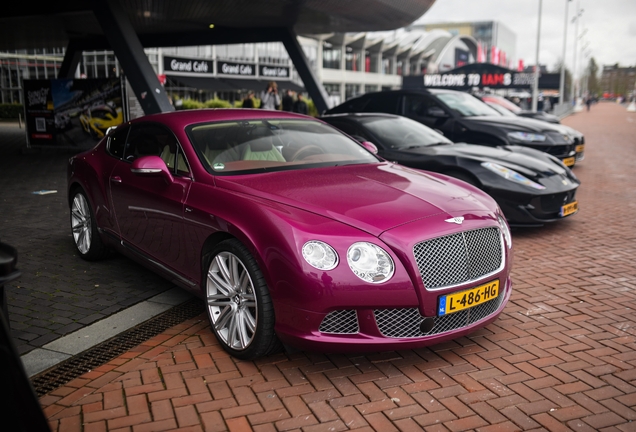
[575, 20]
[565, 37]
[535, 86]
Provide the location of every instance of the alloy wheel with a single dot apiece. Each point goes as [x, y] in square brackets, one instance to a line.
[231, 300]
[81, 223]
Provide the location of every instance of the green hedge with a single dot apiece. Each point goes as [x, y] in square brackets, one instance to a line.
[187, 104]
[11, 111]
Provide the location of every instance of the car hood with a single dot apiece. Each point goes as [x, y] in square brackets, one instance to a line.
[374, 198]
[540, 116]
[529, 162]
[513, 123]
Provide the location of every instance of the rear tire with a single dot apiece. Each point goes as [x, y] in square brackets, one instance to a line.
[239, 306]
[88, 243]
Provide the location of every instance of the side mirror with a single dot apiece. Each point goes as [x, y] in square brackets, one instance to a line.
[151, 166]
[370, 146]
[436, 112]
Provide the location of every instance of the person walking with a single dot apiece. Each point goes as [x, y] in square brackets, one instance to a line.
[288, 100]
[300, 106]
[248, 102]
[270, 99]
[588, 102]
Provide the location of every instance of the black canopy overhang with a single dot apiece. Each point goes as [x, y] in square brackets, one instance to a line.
[229, 84]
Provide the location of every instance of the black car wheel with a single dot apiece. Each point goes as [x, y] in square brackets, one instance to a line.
[238, 303]
[84, 228]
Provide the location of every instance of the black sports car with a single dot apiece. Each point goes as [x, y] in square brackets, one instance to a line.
[464, 118]
[502, 101]
[530, 186]
[577, 137]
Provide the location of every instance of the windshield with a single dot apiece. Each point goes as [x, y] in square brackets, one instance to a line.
[503, 102]
[501, 110]
[401, 132]
[239, 146]
[466, 105]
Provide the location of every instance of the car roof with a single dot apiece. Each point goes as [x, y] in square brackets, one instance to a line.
[406, 91]
[183, 118]
[357, 115]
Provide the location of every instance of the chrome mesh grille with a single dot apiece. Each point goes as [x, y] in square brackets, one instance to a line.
[405, 323]
[458, 258]
[340, 322]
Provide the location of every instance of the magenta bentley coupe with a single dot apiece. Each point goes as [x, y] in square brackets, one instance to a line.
[292, 232]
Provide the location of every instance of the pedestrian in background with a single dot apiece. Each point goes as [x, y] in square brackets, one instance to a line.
[288, 100]
[248, 102]
[270, 99]
[300, 106]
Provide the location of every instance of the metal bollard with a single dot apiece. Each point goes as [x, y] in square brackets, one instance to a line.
[8, 272]
[20, 410]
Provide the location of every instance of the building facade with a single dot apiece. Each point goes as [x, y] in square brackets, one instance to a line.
[347, 64]
[497, 44]
[618, 81]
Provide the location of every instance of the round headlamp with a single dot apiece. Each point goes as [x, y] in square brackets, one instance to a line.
[320, 255]
[370, 263]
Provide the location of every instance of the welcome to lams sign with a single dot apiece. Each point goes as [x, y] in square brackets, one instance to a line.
[480, 75]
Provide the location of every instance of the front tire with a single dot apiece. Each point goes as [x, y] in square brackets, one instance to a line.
[84, 228]
[238, 303]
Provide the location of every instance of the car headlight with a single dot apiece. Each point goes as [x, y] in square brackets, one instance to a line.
[370, 263]
[505, 230]
[320, 255]
[526, 136]
[511, 175]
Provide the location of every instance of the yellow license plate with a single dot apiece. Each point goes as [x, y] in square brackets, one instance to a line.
[466, 299]
[580, 148]
[568, 209]
[569, 161]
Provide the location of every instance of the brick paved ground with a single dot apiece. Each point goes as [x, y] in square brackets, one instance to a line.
[561, 356]
[58, 292]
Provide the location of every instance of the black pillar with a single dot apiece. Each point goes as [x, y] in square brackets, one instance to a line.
[314, 88]
[130, 53]
[72, 57]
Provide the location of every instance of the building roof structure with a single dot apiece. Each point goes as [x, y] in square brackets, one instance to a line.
[33, 24]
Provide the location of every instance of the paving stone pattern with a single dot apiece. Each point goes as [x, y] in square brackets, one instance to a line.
[58, 292]
[561, 357]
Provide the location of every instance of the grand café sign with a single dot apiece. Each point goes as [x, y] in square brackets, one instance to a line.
[188, 66]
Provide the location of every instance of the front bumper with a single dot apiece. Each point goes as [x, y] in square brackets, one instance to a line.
[365, 330]
[537, 210]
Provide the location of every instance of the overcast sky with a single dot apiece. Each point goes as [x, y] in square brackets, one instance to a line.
[609, 27]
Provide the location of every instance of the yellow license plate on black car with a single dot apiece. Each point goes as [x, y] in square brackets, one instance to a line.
[569, 161]
[469, 298]
[568, 209]
[580, 148]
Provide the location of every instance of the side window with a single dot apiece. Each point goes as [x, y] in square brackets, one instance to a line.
[384, 103]
[156, 140]
[422, 108]
[117, 141]
[350, 130]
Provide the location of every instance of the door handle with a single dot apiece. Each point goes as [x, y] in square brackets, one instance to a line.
[115, 179]
[188, 210]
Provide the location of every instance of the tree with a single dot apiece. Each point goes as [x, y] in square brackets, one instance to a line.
[593, 84]
[568, 81]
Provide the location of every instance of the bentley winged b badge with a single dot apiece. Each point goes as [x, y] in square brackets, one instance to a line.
[458, 220]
